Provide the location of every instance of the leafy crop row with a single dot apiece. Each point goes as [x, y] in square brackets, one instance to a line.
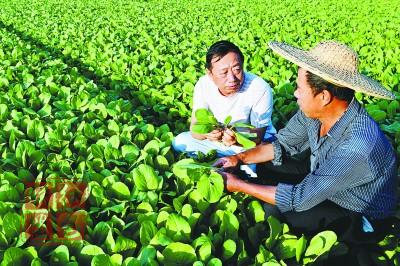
[91, 95]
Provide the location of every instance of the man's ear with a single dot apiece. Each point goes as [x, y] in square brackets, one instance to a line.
[209, 72]
[326, 97]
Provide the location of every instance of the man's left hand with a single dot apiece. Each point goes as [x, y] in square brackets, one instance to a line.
[228, 137]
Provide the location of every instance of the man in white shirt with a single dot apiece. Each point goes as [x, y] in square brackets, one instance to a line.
[227, 90]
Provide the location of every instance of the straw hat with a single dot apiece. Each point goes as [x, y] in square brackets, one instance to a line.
[334, 62]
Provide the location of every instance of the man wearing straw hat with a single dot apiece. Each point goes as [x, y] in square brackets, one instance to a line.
[351, 184]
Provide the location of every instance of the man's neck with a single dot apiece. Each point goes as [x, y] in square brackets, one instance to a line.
[333, 112]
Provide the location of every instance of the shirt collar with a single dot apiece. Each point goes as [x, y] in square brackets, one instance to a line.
[344, 121]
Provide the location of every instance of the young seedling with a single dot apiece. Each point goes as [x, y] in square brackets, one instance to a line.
[206, 122]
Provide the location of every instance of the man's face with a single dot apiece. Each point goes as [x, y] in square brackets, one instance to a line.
[308, 103]
[227, 73]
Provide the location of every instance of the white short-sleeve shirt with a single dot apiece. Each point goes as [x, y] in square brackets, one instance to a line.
[252, 104]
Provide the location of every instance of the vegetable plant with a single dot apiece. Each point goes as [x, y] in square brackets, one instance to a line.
[206, 122]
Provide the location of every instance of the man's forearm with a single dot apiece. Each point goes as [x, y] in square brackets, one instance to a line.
[260, 154]
[261, 192]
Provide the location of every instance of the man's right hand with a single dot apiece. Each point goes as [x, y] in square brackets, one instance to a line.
[228, 162]
[214, 135]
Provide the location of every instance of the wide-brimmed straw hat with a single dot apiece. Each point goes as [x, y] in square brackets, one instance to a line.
[334, 62]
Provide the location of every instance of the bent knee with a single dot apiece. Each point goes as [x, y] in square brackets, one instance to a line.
[181, 141]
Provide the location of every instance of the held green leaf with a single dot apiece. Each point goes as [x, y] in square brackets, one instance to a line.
[243, 125]
[227, 120]
[245, 142]
[202, 128]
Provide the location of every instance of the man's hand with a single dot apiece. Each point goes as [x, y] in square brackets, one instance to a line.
[231, 181]
[235, 184]
[228, 137]
[214, 135]
[228, 162]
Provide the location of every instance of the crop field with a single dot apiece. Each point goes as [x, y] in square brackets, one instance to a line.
[92, 93]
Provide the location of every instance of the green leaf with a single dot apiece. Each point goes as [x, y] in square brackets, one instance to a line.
[4, 112]
[16, 256]
[192, 165]
[97, 151]
[60, 255]
[230, 225]
[147, 231]
[88, 252]
[227, 120]
[120, 191]
[377, 115]
[12, 225]
[391, 109]
[9, 193]
[265, 255]
[179, 254]
[123, 244]
[205, 251]
[161, 163]
[147, 255]
[100, 232]
[256, 211]
[300, 247]
[245, 142]
[152, 147]
[130, 153]
[113, 127]
[211, 187]
[319, 245]
[275, 230]
[178, 229]
[197, 201]
[35, 129]
[80, 142]
[114, 141]
[285, 247]
[3, 241]
[101, 260]
[242, 125]
[45, 110]
[28, 79]
[215, 262]
[205, 122]
[109, 243]
[393, 128]
[228, 249]
[204, 116]
[202, 128]
[145, 178]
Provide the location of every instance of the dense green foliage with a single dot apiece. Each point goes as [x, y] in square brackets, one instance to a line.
[91, 94]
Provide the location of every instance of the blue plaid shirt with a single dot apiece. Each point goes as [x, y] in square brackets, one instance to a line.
[354, 165]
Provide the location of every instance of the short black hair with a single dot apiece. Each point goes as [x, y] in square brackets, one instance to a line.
[318, 84]
[220, 49]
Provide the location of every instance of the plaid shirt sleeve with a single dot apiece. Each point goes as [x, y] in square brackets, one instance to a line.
[339, 172]
[292, 139]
